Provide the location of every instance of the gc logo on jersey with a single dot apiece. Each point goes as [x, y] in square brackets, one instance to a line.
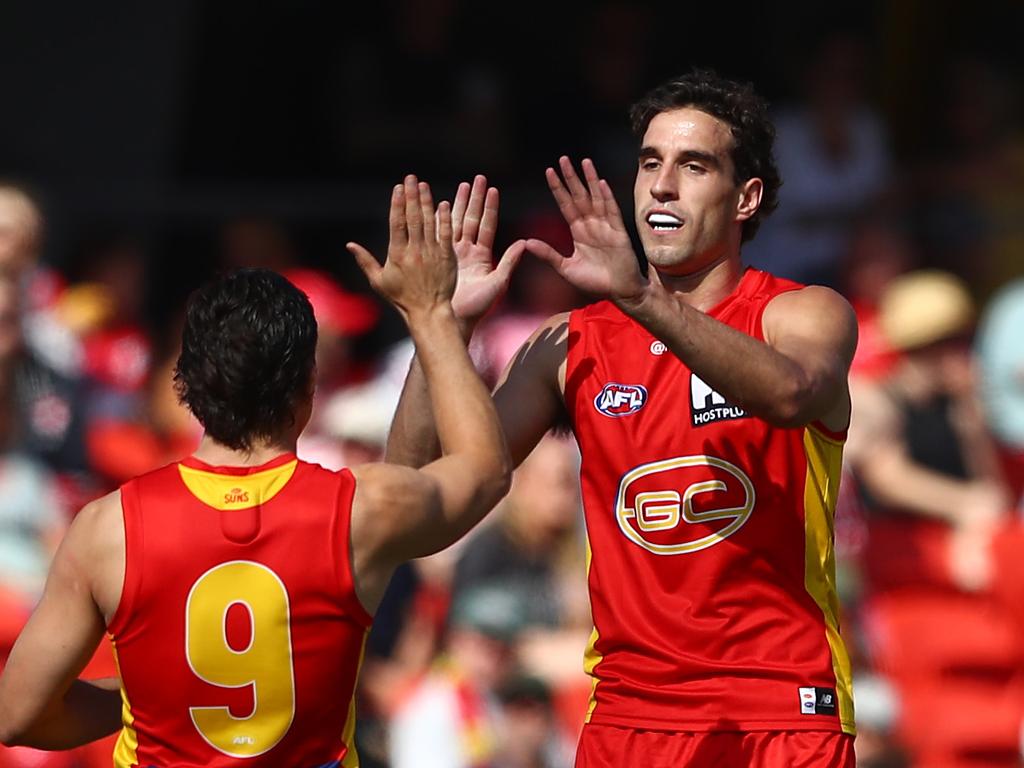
[649, 506]
[707, 406]
[620, 399]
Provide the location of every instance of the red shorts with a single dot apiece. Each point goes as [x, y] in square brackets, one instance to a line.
[607, 746]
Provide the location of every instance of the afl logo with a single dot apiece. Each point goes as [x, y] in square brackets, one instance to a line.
[654, 499]
[620, 399]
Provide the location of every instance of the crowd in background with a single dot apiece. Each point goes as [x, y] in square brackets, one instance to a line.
[476, 656]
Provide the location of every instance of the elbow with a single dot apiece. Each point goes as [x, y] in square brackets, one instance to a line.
[9, 738]
[12, 734]
[496, 480]
[501, 480]
[790, 409]
[796, 403]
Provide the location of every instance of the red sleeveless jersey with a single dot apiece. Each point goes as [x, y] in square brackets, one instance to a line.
[239, 634]
[711, 569]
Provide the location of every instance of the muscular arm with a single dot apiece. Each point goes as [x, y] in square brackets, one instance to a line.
[400, 513]
[528, 398]
[796, 376]
[412, 439]
[42, 703]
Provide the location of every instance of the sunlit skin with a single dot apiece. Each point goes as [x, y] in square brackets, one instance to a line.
[685, 170]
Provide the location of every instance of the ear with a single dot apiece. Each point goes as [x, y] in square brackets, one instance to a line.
[749, 198]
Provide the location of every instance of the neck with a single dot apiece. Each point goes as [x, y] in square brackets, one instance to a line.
[704, 289]
[219, 455]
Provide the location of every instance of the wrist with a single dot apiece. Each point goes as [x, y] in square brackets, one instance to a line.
[640, 302]
[424, 317]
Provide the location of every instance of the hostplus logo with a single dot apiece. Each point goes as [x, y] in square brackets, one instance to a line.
[707, 406]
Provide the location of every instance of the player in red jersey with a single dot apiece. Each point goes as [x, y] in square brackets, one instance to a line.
[238, 584]
[710, 403]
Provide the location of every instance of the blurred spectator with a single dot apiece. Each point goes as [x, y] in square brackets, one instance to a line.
[1000, 346]
[877, 710]
[833, 155]
[452, 718]
[105, 309]
[21, 231]
[358, 419]
[934, 497]
[32, 522]
[918, 441]
[40, 410]
[38, 287]
[529, 737]
[519, 550]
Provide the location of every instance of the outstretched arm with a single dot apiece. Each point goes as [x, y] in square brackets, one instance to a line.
[400, 513]
[42, 703]
[796, 376]
[412, 440]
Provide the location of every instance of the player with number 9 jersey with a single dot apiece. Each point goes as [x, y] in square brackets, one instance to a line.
[237, 584]
[239, 631]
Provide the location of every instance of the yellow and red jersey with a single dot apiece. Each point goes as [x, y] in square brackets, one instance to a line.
[711, 568]
[239, 634]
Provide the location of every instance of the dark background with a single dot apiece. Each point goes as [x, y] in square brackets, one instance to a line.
[157, 122]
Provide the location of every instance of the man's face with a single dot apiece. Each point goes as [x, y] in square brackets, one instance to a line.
[688, 206]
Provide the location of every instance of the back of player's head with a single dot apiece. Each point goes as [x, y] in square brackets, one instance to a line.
[738, 106]
[248, 354]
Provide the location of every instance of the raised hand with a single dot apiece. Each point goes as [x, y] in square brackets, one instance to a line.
[602, 261]
[420, 270]
[474, 222]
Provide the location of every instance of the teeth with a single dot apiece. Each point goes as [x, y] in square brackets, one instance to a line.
[664, 221]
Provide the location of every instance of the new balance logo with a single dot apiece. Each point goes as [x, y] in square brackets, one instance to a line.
[817, 701]
[707, 406]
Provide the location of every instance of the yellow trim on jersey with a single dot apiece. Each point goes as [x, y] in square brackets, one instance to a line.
[227, 492]
[127, 746]
[591, 657]
[821, 491]
[348, 735]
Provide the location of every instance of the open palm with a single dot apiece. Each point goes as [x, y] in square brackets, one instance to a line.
[475, 223]
[602, 261]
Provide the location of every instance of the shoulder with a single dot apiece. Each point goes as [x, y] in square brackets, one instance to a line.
[809, 298]
[546, 348]
[99, 518]
[93, 548]
[812, 309]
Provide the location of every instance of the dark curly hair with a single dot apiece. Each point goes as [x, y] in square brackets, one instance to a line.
[739, 107]
[248, 354]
